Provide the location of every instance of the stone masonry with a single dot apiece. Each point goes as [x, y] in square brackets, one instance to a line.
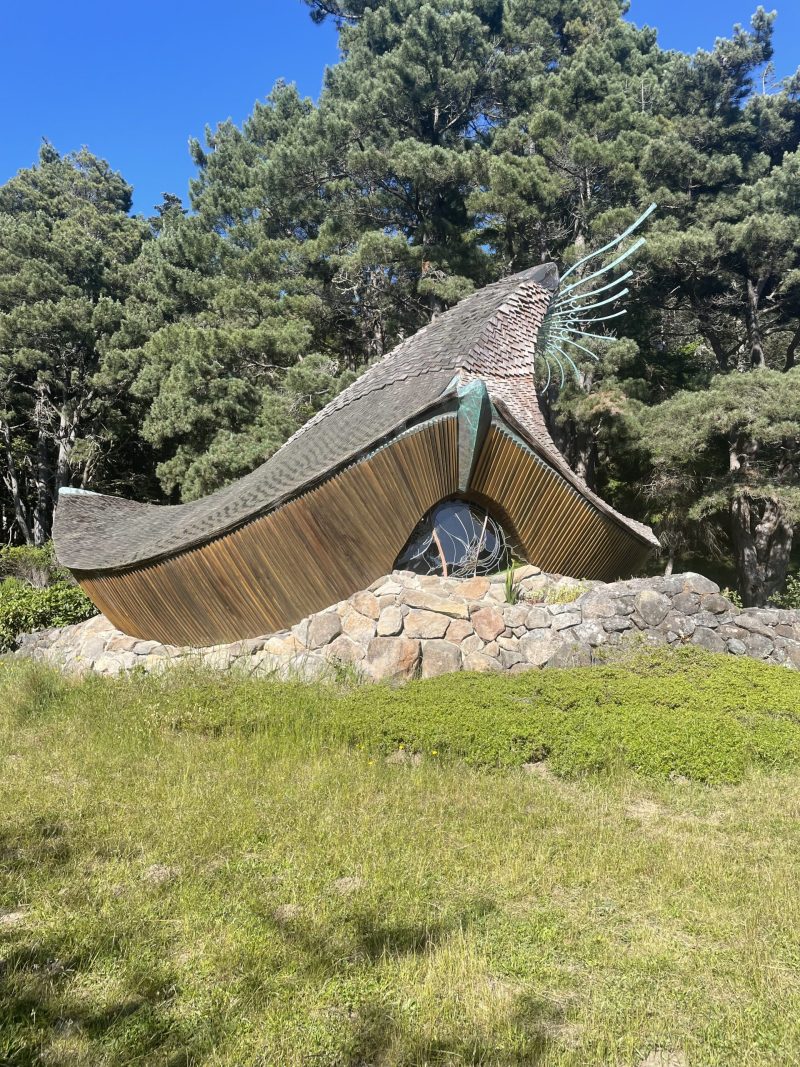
[406, 626]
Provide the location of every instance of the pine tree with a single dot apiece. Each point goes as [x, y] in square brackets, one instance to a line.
[733, 452]
[225, 320]
[65, 240]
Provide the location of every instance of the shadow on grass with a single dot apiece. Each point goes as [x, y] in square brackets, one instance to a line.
[363, 937]
[42, 1021]
[380, 1037]
[45, 1018]
[380, 1034]
[49, 1015]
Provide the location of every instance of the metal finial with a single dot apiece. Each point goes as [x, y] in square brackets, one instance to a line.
[566, 315]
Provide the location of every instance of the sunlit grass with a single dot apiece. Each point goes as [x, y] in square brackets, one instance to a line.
[185, 883]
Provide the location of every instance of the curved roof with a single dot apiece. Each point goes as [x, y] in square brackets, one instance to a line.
[490, 334]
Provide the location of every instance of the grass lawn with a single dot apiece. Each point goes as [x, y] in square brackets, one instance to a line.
[213, 871]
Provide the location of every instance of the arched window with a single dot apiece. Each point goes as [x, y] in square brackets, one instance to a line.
[456, 539]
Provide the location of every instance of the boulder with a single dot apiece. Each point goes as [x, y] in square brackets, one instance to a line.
[386, 587]
[590, 633]
[429, 624]
[527, 571]
[344, 649]
[422, 598]
[537, 619]
[440, 657]
[696, 583]
[707, 639]
[759, 645]
[652, 607]
[686, 603]
[570, 655]
[477, 661]
[515, 614]
[357, 626]
[540, 650]
[393, 659]
[755, 622]
[458, 630]
[406, 624]
[366, 603]
[473, 588]
[716, 603]
[390, 621]
[121, 643]
[488, 623]
[597, 606]
[322, 629]
[471, 644]
[565, 620]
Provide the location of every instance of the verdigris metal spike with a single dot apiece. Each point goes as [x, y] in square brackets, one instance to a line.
[611, 244]
[474, 420]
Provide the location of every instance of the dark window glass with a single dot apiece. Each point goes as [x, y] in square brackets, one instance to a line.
[456, 539]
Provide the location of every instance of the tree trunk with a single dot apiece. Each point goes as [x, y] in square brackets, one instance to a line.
[754, 338]
[67, 432]
[762, 542]
[577, 445]
[584, 460]
[719, 350]
[11, 479]
[42, 515]
[42, 510]
[791, 351]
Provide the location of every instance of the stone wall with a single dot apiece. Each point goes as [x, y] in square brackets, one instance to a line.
[406, 626]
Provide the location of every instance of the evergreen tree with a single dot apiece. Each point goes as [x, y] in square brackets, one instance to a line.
[455, 141]
[732, 454]
[65, 240]
[221, 337]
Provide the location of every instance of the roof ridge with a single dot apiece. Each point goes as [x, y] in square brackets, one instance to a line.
[365, 383]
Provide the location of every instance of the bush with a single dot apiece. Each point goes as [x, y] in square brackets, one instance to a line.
[24, 608]
[662, 714]
[37, 566]
[557, 594]
[790, 597]
[734, 597]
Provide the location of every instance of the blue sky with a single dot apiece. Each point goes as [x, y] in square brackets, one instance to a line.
[135, 81]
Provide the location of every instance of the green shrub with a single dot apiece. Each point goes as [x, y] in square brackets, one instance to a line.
[790, 597]
[37, 566]
[24, 608]
[557, 594]
[734, 597]
[663, 713]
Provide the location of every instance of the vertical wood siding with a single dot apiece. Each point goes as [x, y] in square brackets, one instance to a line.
[301, 558]
[338, 538]
[553, 525]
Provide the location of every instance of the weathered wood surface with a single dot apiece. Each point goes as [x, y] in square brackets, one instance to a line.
[553, 526]
[301, 558]
[335, 539]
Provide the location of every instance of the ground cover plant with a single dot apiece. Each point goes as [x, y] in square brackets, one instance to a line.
[206, 869]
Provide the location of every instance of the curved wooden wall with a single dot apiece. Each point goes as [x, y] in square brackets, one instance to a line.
[339, 537]
[301, 558]
[556, 528]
